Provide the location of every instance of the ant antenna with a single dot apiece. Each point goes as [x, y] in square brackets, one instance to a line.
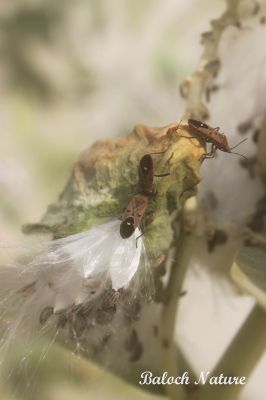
[241, 155]
[174, 128]
[238, 144]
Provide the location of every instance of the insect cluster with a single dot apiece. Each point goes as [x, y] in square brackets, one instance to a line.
[78, 288]
[84, 285]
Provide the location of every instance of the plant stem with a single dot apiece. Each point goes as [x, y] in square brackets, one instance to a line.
[181, 253]
[240, 358]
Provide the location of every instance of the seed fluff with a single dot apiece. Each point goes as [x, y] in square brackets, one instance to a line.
[78, 288]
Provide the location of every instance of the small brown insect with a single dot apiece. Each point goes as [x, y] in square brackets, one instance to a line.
[133, 214]
[250, 165]
[245, 126]
[132, 340]
[255, 136]
[136, 353]
[46, 313]
[165, 343]
[28, 289]
[134, 346]
[219, 237]
[213, 136]
[257, 220]
[61, 321]
[131, 309]
[155, 330]
[110, 300]
[78, 324]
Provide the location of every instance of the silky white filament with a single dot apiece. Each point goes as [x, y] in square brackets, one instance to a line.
[88, 270]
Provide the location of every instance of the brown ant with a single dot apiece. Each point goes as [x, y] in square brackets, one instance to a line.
[213, 136]
[133, 214]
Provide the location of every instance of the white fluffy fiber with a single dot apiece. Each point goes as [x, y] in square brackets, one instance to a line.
[63, 273]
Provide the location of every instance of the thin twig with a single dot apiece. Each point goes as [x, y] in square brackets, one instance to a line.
[181, 254]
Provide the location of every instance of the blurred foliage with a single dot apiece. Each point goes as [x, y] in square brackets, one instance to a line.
[24, 26]
[111, 64]
[27, 27]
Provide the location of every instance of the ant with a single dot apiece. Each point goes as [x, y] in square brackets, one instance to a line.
[134, 213]
[213, 136]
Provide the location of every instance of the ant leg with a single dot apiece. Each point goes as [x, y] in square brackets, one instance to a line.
[148, 220]
[134, 192]
[190, 137]
[207, 155]
[162, 175]
[160, 152]
[172, 131]
[138, 239]
[170, 158]
[167, 173]
[211, 154]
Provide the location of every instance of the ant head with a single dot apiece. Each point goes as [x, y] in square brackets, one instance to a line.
[146, 164]
[224, 150]
[127, 227]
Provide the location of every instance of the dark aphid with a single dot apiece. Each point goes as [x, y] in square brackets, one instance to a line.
[28, 289]
[131, 310]
[131, 341]
[78, 323]
[165, 343]
[213, 136]
[110, 300]
[137, 353]
[61, 320]
[261, 205]
[245, 126]
[219, 237]
[104, 317]
[210, 200]
[250, 164]
[211, 90]
[155, 330]
[257, 222]
[133, 214]
[108, 306]
[134, 346]
[46, 313]
[102, 343]
[255, 136]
